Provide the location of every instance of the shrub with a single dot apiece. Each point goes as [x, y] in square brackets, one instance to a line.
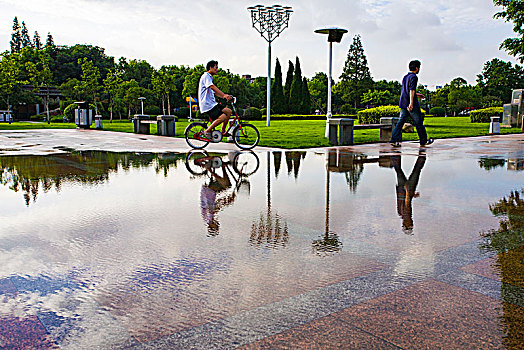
[149, 110]
[348, 109]
[484, 115]
[36, 118]
[252, 113]
[438, 111]
[373, 115]
[182, 112]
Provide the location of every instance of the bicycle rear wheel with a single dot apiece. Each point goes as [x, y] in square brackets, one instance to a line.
[246, 136]
[195, 135]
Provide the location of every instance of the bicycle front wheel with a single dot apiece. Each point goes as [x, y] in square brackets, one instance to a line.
[246, 136]
[195, 137]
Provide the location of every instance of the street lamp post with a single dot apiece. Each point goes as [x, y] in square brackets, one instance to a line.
[334, 35]
[270, 21]
[142, 103]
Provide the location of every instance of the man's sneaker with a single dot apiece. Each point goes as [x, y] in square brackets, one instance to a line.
[428, 142]
[395, 144]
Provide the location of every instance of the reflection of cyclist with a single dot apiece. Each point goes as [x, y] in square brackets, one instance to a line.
[209, 201]
[206, 99]
[406, 190]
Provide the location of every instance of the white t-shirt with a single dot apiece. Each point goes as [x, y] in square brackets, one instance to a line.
[206, 96]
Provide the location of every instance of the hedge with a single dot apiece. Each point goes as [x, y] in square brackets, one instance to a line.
[373, 115]
[484, 115]
[438, 111]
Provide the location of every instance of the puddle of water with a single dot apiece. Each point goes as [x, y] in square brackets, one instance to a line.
[100, 245]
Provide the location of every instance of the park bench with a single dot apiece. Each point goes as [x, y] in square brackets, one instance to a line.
[341, 129]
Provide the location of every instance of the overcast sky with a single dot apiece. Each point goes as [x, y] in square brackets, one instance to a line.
[452, 38]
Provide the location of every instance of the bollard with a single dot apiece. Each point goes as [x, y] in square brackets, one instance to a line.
[494, 126]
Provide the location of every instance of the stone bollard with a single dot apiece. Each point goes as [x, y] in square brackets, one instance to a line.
[165, 125]
[494, 126]
[341, 131]
[387, 130]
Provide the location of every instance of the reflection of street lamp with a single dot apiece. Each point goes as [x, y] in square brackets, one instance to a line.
[270, 21]
[334, 35]
[142, 103]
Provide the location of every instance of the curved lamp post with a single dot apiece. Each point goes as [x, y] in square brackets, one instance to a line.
[270, 21]
[334, 35]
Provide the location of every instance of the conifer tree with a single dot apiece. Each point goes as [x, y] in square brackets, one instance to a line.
[26, 39]
[277, 91]
[306, 97]
[49, 42]
[37, 44]
[295, 94]
[289, 81]
[356, 77]
[16, 37]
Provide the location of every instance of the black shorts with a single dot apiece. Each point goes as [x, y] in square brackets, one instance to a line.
[215, 112]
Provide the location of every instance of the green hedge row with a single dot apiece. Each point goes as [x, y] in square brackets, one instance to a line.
[484, 115]
[373, 115]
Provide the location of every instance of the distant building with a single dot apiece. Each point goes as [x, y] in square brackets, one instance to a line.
[248, 78]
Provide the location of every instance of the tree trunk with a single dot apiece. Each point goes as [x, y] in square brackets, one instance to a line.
[163, 105]
[96, 107]
[47, 105]
[8, 110]
[111, 113]
[168, 106]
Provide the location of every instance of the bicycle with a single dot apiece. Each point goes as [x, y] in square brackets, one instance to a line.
[245, 135]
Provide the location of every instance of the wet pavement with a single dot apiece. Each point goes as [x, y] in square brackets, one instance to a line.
[115, 240]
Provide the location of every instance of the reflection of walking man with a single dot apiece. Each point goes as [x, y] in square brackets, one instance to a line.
[410, 107]
[406, 190]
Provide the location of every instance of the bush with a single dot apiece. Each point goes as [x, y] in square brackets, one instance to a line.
[438, 111]
[348, 109]
[37, 118]
[182, 112]
[373, 115]
[252, 113]
[149, 110]
[484, 115]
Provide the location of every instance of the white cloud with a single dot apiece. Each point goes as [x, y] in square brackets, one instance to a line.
[452, 37]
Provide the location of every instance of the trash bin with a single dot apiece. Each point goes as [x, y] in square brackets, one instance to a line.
[165, 125]
[83, 115]
[98, 122]
[494, 126]
[141, 124]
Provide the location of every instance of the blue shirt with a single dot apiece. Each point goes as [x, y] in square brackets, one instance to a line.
[409, 82]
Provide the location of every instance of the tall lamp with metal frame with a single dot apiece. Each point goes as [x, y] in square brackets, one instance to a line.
[270, 21]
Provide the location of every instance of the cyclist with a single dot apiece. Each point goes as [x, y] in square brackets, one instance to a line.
[217, 112]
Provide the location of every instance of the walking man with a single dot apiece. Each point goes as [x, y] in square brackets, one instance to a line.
[410, 107]
[206, 100]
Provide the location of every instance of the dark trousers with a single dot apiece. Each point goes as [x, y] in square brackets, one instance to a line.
[418, 122]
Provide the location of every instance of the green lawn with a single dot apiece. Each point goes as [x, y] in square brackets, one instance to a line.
[304, 133]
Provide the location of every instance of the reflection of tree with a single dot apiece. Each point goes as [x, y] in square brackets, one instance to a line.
[491, 163]
[293, 159]
[270, 231]
[30, 173]
[508, 243]
[277, 159]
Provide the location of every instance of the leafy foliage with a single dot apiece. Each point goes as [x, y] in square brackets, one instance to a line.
[373, 115]
[484, 115]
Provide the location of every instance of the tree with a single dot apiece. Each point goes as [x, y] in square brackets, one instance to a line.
[306, 97]
[277, 91]
[112, 84]
[163, 84]
[9, 75]
[16, 37]
[317, 87]
[498, 78]
[89, 83]
[49, 41]
[289, 81]
[356, 77]
[513, 11]
[295, 94]
[37, 44]
[26, 39]
[40, 76]
[377, 98]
